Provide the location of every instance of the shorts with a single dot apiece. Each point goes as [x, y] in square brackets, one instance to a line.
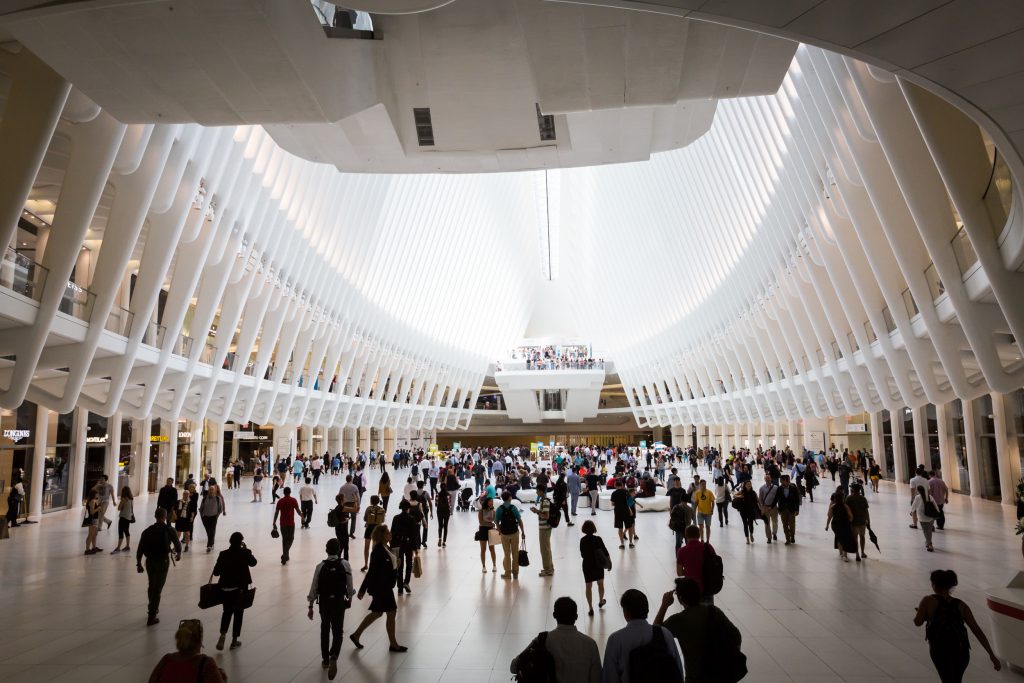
[368, 532]
[624, 521]
[704, 520]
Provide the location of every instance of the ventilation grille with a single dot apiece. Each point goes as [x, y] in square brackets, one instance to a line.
[424, 128]
[546, 125]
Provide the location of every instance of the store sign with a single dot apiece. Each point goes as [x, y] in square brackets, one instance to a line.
[856, 427]
[456, 445]
[244, 435]
[643, 444]
[96, 439]
[432, 448]
[159, 438]
[17, 435]
[184, 435]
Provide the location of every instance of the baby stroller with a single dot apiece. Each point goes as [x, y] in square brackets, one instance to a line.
[464, 497]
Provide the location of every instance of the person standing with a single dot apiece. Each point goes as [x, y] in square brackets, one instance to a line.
[331, 589]
[307, 497]
[510, 526]
[350, 503]
[924, 510]
[286, 509]
[125, 519]
[946, 620]
[704, 502]
[573, 483]
[340, 519]
[155, 545]
[722, 500]
[560, 498]
[916, 482]
[167, 499]
[860, 520]
[92, 521]
[575, 655]
[384, 490]
[372, 518]
[210, 511]
[106, 491]
[593, 490]
[745, 501]
[443, 510]
[257, 485]
[788, 501]
[636, 633]
[940, 496]
[542, 509]
[485, 518]
[622, 511]
[405, 539]
[840, 517]
[379, 583]
[183, 519]
[695, 628]
[767, 496]
[232, 568]
[595, 556]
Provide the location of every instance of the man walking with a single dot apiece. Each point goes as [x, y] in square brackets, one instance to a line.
[766, 497]
[593, 490]
[939, 492]
[349, 493]
[332, 589]
[543, 511]
[788, 502]
[573, 483]
[704, 502]
[155, 545]
[918, 480]
[510, 527]
[307, 496]
[168, 499]
[286, 509]
[636, 633]
[107, 498]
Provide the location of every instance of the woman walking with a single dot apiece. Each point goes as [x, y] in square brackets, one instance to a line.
[184, 520]
[485, 517]
[923, 505]
[840, 517]
[257, 485]
[745, 502]
[210, 511]
[722, 501]
[92, 517]
[595, 556]
[125, 518]
[384, 490]
[233, 569]
[443, 512]
[379, 582]
[947, 620]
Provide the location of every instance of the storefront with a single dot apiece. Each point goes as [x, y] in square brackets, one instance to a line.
[987, 452]
[959, 435]
[159, 445]
[183, 462]
[253, 441]
[97, 444]
[17, 446]
[60, 428]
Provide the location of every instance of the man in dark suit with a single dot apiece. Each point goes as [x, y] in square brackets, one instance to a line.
[788, 502]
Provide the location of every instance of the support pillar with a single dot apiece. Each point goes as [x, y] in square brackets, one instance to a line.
[364, 439]
[878, 442]
[80, 426]
[899, 447]
[1006, 450]
[307, 441]
[141, 432]
[111, 467]
[351, 442]
[793, 437]
[921, 448]
[379, 442]
[389, 441]
[334, 440]
[35, 493]
[971, 444]
[217, 456]
[196, 450]
[947, 454]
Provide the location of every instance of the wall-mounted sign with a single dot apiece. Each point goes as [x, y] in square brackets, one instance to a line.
[432, 448]
[17, 435]
[456, 445]
[244, 435]
[856, 427]
[96, 439]
[159, 438]
[184, 435]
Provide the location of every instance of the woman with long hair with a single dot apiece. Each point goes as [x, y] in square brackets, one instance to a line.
[594, 554]
[379, 582]
[384, 489]
[210, 511]
[485, 517]
[125, 517]
[182, 520]
[745, 502]
[840, 517]
[233, 569]
[92, 516]
[922, 505]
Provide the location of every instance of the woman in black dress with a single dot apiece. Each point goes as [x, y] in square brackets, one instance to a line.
[184, 519]
[594, 554]
[379, 582]
[839, 516]
[443, 512]
[233, 569]
[745, 502]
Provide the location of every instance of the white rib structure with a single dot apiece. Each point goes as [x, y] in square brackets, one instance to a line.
[845, 245]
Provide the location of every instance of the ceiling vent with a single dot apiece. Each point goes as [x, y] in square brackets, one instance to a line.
[546, 124]
[424, 128]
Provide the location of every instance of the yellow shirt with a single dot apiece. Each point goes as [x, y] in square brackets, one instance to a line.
[705, 501]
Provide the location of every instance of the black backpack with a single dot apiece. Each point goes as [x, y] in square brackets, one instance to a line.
[713, 572]
[677, 518]
[726, 661]
[535, 664]
[508, 523]
[332, 584]
[654, 661]
[930, 509]
[946, 630]
[554, 516]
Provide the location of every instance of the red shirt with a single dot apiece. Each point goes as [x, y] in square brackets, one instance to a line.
[287, 506]
[691, 557]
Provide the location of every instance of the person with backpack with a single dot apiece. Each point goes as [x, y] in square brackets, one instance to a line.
[709, 641]
[405, 540]
[332, 590]
[210, 511]
[233, 569]
[946, 621]
[546, 514]
[372, 517]
[510, 526]
[155, 545]
[640, 651]
[698, 560]
[924, 509]
[337, 519]
[679, 518]
[562, 655]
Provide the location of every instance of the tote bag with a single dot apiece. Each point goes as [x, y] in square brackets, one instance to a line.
[493, 537]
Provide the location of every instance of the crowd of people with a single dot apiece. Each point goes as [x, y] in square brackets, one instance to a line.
[552, 357]
[503, 488]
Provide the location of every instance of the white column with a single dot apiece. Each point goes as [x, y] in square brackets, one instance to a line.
[921, 449]
[217, 457]
[364, 439]
[1006, 450]
[878, 442]
[793, 436]
[307, 440]
[170, 465]
[141, 431]
[389, 441]
[947, 453]
[334, 440]
[35, 495]
[971, 444]
[379, 441]
[113, 450]
[80, 427]
[196, 450]
[899, 447]
[351, 442]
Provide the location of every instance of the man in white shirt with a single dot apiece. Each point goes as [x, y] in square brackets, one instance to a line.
[307, 496]
[410, 486]
[316, 464]
[919, 479]
[575, 654]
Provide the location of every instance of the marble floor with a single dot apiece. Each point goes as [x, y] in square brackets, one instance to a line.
[804, 615]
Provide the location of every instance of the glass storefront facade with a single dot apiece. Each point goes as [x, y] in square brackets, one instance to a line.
[959, 438]
[17, 448]
[987, 448]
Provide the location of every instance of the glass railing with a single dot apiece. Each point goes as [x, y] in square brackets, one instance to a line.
[935, 286]
[963, 250]
[22, 275]
[77, 301]
[119, 321]
[182, 346]
[209, 351]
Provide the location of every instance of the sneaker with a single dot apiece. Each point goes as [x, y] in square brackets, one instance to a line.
[515, 576]
[220, 641]
[332, 669]
[325, 663]
[235, 644]
[152, 621]
[630, 546]
[506, 576]
[407, 589]
[115, 551]
[912, 526]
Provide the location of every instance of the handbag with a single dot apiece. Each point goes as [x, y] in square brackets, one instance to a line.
[210, 594]
[250, 596]
[417, 566]
[524, 557]
[274, 533]
[493, 537]
[605, 558]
